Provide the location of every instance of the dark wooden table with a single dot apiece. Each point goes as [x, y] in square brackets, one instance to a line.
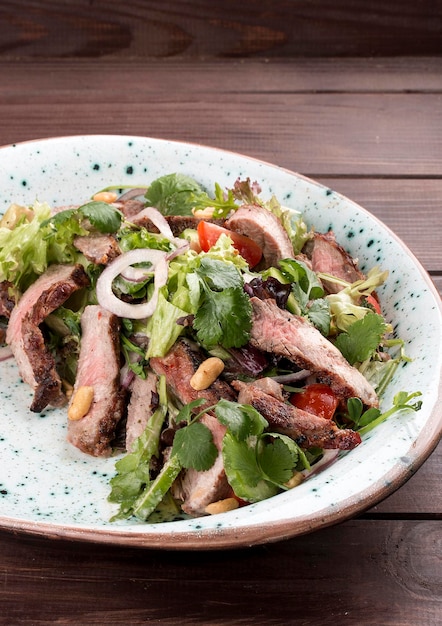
[370, 127]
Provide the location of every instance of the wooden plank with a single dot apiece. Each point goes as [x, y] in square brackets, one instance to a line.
[83, 80]
[426, 483]
[411, 208]
[221, 28]
[317, 134]
[359, 573]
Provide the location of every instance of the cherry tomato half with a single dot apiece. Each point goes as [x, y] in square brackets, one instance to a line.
[209, 234]
[316, 398]
[371, 299]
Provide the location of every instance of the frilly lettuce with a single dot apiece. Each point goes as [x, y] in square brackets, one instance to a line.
[345, 307]
[24, 248]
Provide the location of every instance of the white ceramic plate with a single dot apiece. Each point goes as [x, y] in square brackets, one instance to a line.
[49, 488]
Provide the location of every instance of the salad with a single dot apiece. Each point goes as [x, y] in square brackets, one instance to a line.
[216, 344]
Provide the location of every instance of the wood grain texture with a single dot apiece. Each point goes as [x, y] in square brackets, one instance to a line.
[368, 128]
[294, 129]
[360, 573]
[220, 28]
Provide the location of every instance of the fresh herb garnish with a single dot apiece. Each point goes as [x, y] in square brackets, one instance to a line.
[364, 421]
[224, 314]
[257, 463]
[362, 338]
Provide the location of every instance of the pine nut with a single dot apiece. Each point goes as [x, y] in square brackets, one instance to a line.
[207, 373]
[222, 506]
[295, 480]
[105, 196]
[81, 402]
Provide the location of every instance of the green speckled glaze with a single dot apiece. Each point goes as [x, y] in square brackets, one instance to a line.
[48, 487]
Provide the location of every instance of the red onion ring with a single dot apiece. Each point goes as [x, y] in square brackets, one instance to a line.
[159, 221]
[108, 300]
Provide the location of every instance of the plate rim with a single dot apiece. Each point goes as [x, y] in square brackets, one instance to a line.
[230, 537]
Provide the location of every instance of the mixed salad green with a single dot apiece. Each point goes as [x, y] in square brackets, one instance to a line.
[206, 289]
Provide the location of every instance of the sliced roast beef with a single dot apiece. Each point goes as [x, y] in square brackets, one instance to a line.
[278, 331]
[265, 229]
[197, 489]
[35, 363]
[328, 257]
[179, 365]
[7, 300]
[143, 402]
[306, 429]
[99, 369]
[98, 249]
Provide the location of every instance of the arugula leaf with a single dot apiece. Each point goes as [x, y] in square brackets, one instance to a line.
[194, 447]
[362, 338]
[222, 202]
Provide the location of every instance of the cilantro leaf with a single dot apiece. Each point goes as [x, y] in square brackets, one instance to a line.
[241, 419]
[224, 318]
[218, 274]
[104, 217]
[362, 338]
[173, 194]
[194, 447]
[318, 312]
[243, 472]
[277, 459]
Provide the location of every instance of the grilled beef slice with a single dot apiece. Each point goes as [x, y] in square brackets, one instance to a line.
[306, 429]
[328, 257]
[178, 366]
[98, 249]
[7, 302]
[196, 489]
[35, 363]
[265, 229]
[99, 368]
[143, 402]
[278, 331]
